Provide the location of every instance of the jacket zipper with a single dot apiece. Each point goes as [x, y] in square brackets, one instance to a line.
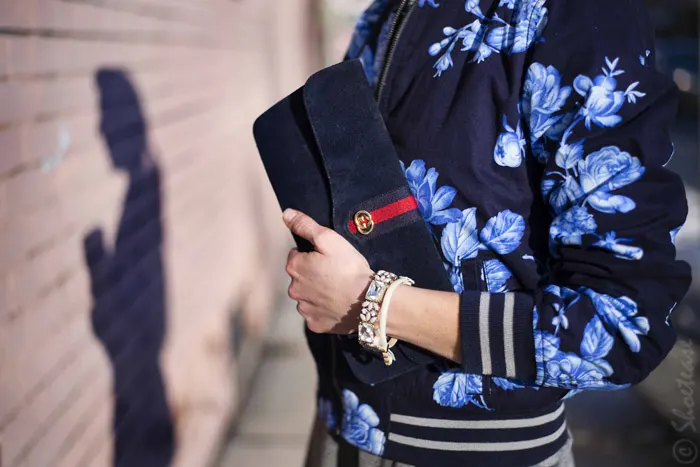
[402, 15]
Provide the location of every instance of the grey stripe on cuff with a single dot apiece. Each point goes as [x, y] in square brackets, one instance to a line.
[484, 310]
[509, 345]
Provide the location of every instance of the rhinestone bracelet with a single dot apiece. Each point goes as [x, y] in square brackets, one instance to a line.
[369, 330]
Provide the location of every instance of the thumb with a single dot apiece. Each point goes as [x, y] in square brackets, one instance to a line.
[302, 225]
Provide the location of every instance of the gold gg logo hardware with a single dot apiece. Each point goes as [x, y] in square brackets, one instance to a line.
[364, 222]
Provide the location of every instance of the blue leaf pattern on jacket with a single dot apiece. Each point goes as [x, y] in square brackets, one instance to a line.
[503, 233]
[496, 274]
[459, 239]
[456, 389]
[486, 36]
[360, 425]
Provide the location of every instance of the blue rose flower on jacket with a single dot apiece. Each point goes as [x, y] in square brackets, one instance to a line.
[607, 170]
[360, 423]
[602, 99]
[570, 370]
[571, 225]
[542, 96]
[510, 146]
[456, 389]
[434, 204]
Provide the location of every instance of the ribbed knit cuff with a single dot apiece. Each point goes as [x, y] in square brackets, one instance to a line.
[497, 334]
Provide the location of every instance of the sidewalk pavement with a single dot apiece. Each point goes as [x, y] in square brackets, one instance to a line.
[275, 424]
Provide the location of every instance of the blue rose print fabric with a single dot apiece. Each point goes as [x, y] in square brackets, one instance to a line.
[536, 144]
[485, 36]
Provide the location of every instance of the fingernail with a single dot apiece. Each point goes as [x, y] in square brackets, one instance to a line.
[288, 214]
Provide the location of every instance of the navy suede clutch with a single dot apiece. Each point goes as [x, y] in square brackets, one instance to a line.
[328, 154]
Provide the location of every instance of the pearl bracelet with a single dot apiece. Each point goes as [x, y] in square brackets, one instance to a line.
[373, 317]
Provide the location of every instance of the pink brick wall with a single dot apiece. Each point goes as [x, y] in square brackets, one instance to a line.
[125, 131]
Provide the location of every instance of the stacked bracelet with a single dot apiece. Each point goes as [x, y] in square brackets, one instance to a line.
[373, 318]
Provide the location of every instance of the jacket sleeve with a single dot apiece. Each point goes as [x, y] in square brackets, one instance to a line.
[597, 114]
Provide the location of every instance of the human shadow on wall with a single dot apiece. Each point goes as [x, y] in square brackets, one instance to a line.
[128, 284]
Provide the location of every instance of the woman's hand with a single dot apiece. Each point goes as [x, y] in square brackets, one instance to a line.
[328, 283]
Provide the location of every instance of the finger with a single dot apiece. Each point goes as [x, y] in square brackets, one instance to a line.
[292, 262]
[302, 225]
[293, 291]
[303, 308]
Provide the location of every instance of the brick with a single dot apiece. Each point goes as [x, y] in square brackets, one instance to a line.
[72, 424]
[96, 434]
[40, 56]
[27, 101]
[58, 139]
[15, 242]
[65, 16]
[10, 142]
[38, 417]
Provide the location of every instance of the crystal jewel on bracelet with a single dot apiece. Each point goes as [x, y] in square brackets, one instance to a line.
[366, 332]
[375, 291]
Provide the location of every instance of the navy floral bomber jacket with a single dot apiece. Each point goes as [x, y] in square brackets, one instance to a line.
[534, 135]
